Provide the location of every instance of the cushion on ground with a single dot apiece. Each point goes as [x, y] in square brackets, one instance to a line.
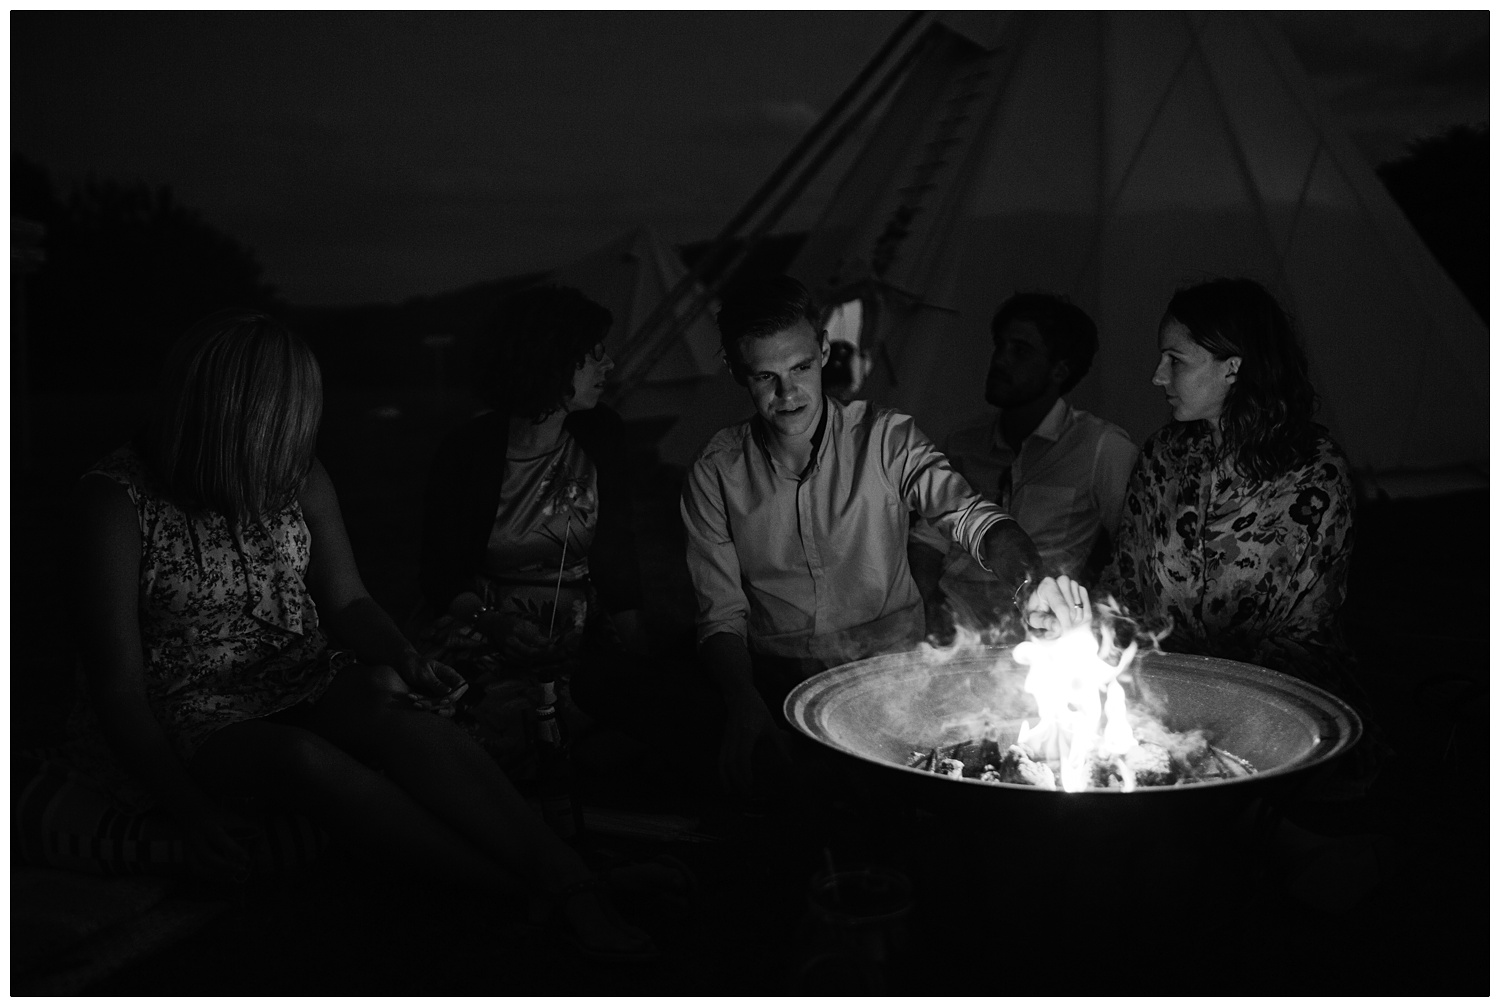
[59, 819]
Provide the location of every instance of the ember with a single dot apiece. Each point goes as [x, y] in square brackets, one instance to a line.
[1147, 764]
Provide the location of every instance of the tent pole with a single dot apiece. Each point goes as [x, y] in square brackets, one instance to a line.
[684, 319]
[1237, 148]
[1096, 240]
[755, 202]
[1101, 109]
[814, 135]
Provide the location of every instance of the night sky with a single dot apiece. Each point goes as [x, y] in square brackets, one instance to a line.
[372, 157]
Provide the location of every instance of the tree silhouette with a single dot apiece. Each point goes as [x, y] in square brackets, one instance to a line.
[1443, 185]
[127, 270]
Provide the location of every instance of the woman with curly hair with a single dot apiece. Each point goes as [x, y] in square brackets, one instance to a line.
[233, 659]
[1239, 518]
[527, 527]
[1238, 522]
[1237, 533]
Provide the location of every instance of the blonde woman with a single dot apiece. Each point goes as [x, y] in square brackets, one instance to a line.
[232, 656]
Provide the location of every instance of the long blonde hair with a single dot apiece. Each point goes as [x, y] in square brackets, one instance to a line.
[235, 421]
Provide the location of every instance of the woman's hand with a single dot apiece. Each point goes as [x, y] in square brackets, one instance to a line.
[465, 606]
[425, 676]
[1056, 606]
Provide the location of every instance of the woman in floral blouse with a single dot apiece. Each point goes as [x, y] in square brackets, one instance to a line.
[1238, 523]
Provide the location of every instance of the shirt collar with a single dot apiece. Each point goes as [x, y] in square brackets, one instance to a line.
[817, 437]
[1052, 424]
[1050, 429]
[758, 428]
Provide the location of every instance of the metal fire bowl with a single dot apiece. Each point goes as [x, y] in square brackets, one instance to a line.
[877, 711]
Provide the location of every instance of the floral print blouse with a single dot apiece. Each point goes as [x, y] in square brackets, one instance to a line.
[1246, 570]
[228, 628]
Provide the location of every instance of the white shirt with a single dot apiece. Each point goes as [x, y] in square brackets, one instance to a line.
[813, 564]
[1067, 482]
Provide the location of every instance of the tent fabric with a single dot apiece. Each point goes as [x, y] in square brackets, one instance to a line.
[1114, 157]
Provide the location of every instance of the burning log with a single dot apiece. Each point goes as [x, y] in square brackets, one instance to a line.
[1148, 764]
[1020, 765]
[922, 760]
[949, 767]
[976, 756]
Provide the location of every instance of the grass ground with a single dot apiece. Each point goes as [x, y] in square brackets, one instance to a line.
[346, 928]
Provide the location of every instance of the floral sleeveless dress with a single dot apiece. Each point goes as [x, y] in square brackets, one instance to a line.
[229, 631]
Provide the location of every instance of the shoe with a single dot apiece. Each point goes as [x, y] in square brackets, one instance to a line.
[643, 949]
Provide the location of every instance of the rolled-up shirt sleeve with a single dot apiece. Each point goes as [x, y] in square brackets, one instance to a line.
[712, 562]
[928, 483]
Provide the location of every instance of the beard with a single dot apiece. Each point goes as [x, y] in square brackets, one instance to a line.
[1004, 394]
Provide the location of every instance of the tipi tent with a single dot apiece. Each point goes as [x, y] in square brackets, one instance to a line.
[1113, 157]
[631, 276]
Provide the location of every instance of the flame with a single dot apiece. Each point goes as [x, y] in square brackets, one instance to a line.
[1080, 705]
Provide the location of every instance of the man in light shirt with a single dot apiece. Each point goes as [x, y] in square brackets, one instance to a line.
[1058, 470]
[797, 522]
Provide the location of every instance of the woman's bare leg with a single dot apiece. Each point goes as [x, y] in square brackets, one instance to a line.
[295, 767]
[441, 768]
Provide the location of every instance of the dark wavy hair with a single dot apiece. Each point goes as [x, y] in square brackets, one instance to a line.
[234, 422]
[1067, 329]
[1267, 420]
[763, 308]
[533, 343]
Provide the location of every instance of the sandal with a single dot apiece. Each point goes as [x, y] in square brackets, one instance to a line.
[643, 949]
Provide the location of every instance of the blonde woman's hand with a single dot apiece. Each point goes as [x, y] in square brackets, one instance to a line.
[425, 676]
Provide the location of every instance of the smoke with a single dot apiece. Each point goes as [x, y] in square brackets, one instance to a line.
[1049, 690]
[987, 618]
[951, 693]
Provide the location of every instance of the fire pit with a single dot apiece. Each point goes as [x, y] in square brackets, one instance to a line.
[877, 711]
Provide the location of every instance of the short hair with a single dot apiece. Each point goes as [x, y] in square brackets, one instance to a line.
[1267, 419]
[234, 422]
[534, 341]
[1068, 331]
[763, 307]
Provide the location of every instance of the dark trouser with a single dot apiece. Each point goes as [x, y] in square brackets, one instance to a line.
[671, 705]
